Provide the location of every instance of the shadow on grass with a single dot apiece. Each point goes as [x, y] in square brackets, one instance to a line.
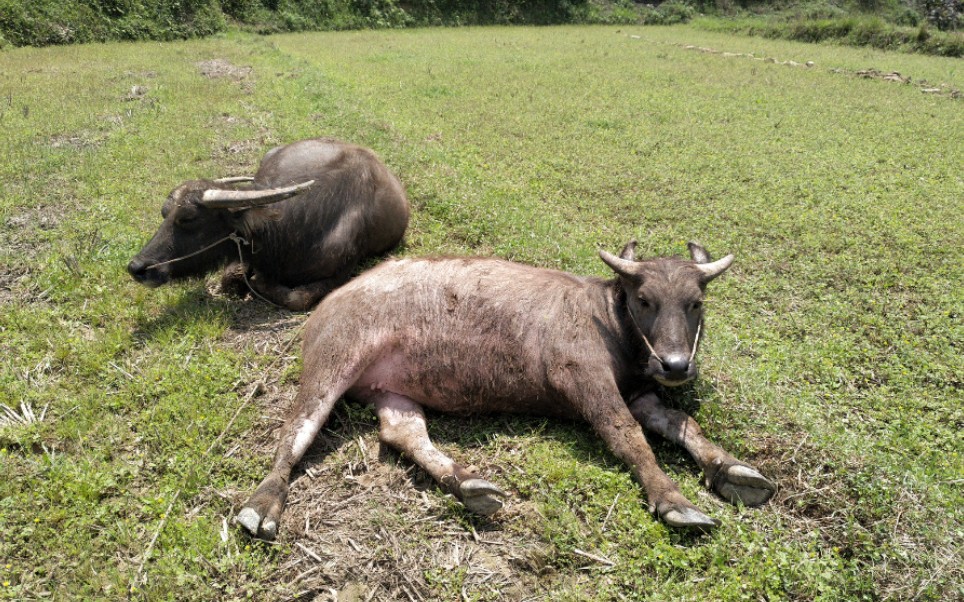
[241, 314]
[350, 423]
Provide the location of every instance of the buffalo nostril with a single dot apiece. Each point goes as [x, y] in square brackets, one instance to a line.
[137, 268]
[676, 363]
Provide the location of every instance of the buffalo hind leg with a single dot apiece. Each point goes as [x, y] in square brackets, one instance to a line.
[402, 426]
[262, 512]
[732, 479]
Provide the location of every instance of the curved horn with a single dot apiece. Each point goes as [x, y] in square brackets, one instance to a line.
[623, 267]
[233, 180]
[712, 270]
[239, 199]
[629, 251]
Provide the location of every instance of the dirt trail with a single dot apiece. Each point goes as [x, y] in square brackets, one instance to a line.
[870, 73]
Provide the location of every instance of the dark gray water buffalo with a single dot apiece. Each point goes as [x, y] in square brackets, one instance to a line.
[485, 335]
[295, 231]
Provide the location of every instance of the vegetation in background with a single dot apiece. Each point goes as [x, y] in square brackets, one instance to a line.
[927, 26]
[832, 357]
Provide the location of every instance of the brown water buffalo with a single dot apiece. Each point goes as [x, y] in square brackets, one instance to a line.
[293, 232]
[486, 335]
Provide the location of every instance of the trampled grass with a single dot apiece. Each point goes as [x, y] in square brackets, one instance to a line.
[833, 361]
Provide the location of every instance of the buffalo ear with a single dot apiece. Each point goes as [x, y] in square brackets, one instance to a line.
[629, 251]
[253, 219]
[698, 253]
[623, 267]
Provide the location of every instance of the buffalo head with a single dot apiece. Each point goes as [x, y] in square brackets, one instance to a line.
[199, 219]
[664, 301]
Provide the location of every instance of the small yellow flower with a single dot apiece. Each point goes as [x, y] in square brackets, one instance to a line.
[36, 520]
[6, 584]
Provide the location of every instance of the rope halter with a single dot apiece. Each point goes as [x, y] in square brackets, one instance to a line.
[652, 351]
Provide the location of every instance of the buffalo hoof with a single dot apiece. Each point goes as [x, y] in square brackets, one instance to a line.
[262, 513]
[683, 517]
[738, 483]
[481, 496]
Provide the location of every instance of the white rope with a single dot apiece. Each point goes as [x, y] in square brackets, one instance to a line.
[696, 341]
[238, 240]
[233, 236]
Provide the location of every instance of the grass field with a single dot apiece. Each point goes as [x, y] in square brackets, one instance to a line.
[833, 360]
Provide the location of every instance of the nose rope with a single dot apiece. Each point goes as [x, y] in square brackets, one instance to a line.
[696, 340]
[238, 240]
[233, 236]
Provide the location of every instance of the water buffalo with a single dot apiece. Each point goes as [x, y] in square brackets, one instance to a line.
[486, 335]
[293, 232]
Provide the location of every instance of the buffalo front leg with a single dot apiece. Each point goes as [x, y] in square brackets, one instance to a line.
[732, 479]
[262, 512]
[298, 298]
[599, 402]
[232, 279]
[402, 426]
[625, 438]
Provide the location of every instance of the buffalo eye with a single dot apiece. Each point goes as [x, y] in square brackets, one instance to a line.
[644, 303]
[186, 219]
[696, 305]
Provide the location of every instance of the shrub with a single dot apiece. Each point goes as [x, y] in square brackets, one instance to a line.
[945, 15]
[670, 13]
[46, 22]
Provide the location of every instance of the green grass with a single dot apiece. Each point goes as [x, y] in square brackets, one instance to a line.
[833, 361]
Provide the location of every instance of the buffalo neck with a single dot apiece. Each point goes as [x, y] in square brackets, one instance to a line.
[627, 351]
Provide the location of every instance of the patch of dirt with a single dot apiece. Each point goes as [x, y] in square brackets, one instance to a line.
[12, 282]
[136, 92]
[22, 246]
[238, 147]
[218, 68]
[44, 217]
[83, 140]
[237, 157]
[362, 521]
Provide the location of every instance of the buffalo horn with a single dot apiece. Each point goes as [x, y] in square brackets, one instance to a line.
[234, 180]
[623, 267]
[712, 270]
[239, 199]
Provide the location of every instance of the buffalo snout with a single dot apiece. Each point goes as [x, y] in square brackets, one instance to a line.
[676, 366]
[672, 369]
[142, 271]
